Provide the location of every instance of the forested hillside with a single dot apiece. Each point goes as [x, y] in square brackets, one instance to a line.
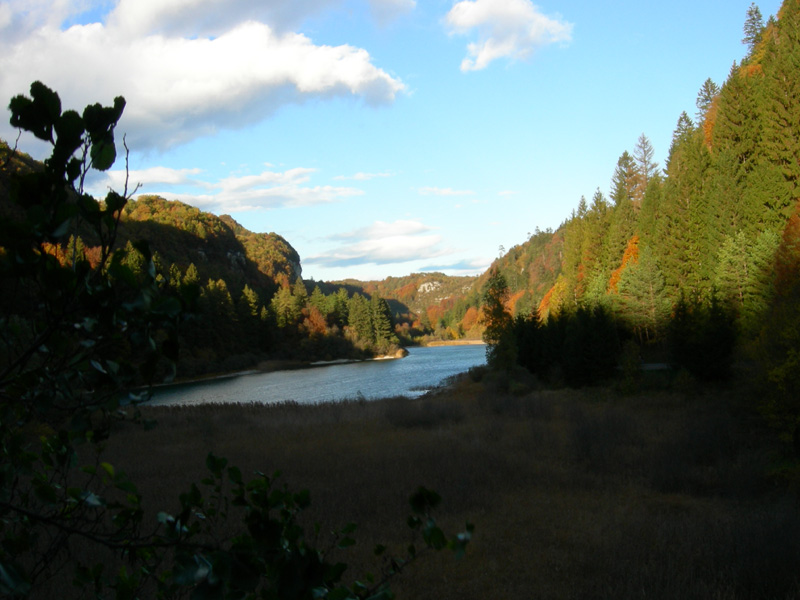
[696, 261]
[426, 305]
[243, 294]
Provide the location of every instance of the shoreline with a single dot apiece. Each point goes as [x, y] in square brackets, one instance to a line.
[436, 343]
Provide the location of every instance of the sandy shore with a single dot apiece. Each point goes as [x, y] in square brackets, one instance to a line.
[456, 343]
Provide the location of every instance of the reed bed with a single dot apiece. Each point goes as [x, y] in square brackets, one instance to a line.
[574, 494]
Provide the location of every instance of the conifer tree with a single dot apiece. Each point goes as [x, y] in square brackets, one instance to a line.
[621, 228]
[339, 307]
[360, 318]
[248, 306]
[595, 228]
[680, 230]
[299, 295]
[622, 182]
[683, 132]
[284, 307]
[192, 277]
[134, 260]
[383, 329]
[705, 98]
[753, 27]
[744, 275]
[645, 167]
[174, 277]
[318, 300]
[572, 268]
[641, 299]
[76, 250]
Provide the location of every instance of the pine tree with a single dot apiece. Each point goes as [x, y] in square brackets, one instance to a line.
[383, 328]
[134, 260]
[646, 167]
[300, 295]
[651, 212]
[642, 301]
[339, 307]
[683, 132]
[622, 182]
[705, 98]
[75, 251]
[679, 233]
[621, 228]
[571, 265]
[360, 318]
[592, 266]
[284, 307]
[753, 27]
[733, 270]
[744, 275]
[192, 277]
[248, 306]
[319, 300]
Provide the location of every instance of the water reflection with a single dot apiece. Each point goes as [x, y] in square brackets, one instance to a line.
[420, 371]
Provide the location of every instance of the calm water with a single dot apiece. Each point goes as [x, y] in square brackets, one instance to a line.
[421, 370]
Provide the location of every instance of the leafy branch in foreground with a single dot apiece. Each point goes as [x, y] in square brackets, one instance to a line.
[76, 332]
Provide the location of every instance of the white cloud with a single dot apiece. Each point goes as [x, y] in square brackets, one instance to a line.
[506, 29]
[179, 84]
[154, 175]
[381, 229]
[290, 178]
[265, 190]
[437, 191]
[383, 243]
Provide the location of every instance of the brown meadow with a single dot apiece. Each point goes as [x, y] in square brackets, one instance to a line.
[574, 494]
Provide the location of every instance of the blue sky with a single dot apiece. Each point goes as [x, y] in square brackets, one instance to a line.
[379, 137]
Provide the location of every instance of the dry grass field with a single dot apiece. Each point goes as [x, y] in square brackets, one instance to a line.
[574, 494]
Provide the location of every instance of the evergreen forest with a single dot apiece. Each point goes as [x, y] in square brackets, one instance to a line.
[695, 264]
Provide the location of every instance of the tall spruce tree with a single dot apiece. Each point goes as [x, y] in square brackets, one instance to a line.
[622, 182]
[645, 167]
[753, 27]
[382, 326]
[705, 98]
[641, 300]
[679, 232]
[360, 318]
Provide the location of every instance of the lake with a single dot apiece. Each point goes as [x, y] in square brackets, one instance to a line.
[422, 370]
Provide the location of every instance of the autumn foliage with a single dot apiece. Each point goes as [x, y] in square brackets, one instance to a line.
[631, 254]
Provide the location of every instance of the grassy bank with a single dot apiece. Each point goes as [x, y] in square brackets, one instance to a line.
[574, 494]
